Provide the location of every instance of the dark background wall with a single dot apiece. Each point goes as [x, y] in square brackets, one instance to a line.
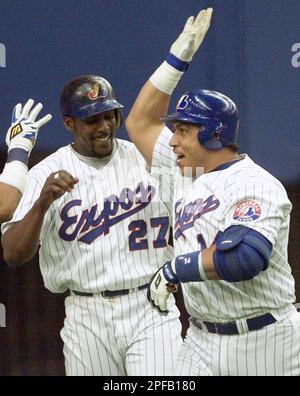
[252, 53]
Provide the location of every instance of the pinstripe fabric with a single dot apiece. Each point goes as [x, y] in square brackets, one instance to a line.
[106, 263]
[119, 336]
[211, 203]
[90, 246]
[271, 351]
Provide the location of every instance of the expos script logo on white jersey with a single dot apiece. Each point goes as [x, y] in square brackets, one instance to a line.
[91, 225]
[186, 215]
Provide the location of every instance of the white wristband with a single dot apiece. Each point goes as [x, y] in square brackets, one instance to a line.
[15, 174]
[166, 78]
[202, 273]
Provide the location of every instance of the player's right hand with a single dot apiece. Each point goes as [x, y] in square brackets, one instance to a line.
[160, 288]
[56, 185]
[190, 39]
[24, 127]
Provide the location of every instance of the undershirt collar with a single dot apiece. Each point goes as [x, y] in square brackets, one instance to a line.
[226, 165]
[96, 162]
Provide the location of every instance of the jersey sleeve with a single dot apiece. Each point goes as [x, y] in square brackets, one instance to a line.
[163, 155]
[258, 204]
[164, 165]
[32, 192]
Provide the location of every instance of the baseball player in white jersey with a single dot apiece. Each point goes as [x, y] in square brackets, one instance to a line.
[20, 139]
[103, 231]
[231, 225]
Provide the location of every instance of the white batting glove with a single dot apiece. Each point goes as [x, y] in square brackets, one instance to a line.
[161, 285]
[167, 75]
[190, 39]
[24, 127]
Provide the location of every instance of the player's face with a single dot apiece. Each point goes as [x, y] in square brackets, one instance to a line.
[93, 135]
[191, 156]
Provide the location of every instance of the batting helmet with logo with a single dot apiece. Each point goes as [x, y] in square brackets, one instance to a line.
[89, 95]
[216, 113]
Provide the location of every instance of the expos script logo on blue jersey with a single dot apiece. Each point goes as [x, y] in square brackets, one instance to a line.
[90, 225]
[185, 216]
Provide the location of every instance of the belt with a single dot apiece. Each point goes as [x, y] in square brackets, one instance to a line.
[232, 328]
[110, 293]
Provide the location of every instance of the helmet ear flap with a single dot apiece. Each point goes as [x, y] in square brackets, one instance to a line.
[213, 144]
[118, 118]
[210, 138]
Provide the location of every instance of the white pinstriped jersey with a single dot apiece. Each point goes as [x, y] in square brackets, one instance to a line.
[109, 233]
[243, 193]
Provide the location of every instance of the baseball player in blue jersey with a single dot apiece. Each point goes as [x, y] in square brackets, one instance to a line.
[20, 139]
[103, 231]
[231, 224]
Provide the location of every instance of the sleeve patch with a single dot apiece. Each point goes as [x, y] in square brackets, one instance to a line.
[247, 210]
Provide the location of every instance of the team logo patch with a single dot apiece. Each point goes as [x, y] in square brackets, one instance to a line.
[15, 130]
[182, 102]
[247, 210]
[94, 92]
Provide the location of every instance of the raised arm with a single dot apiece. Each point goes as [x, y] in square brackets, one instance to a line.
[20, 139]
[143, 122]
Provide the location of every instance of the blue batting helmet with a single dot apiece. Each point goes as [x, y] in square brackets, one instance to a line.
[216, 113]
[89, 95]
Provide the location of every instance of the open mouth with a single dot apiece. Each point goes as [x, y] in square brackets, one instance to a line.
[102, 138]
[180, 157]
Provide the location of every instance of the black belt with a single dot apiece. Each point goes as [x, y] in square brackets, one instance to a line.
[232, 329]
[110, 293]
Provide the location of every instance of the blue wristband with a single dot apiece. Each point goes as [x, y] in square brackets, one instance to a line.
[169, 273]
[187, 267]
[18, 154]
[178, 64]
